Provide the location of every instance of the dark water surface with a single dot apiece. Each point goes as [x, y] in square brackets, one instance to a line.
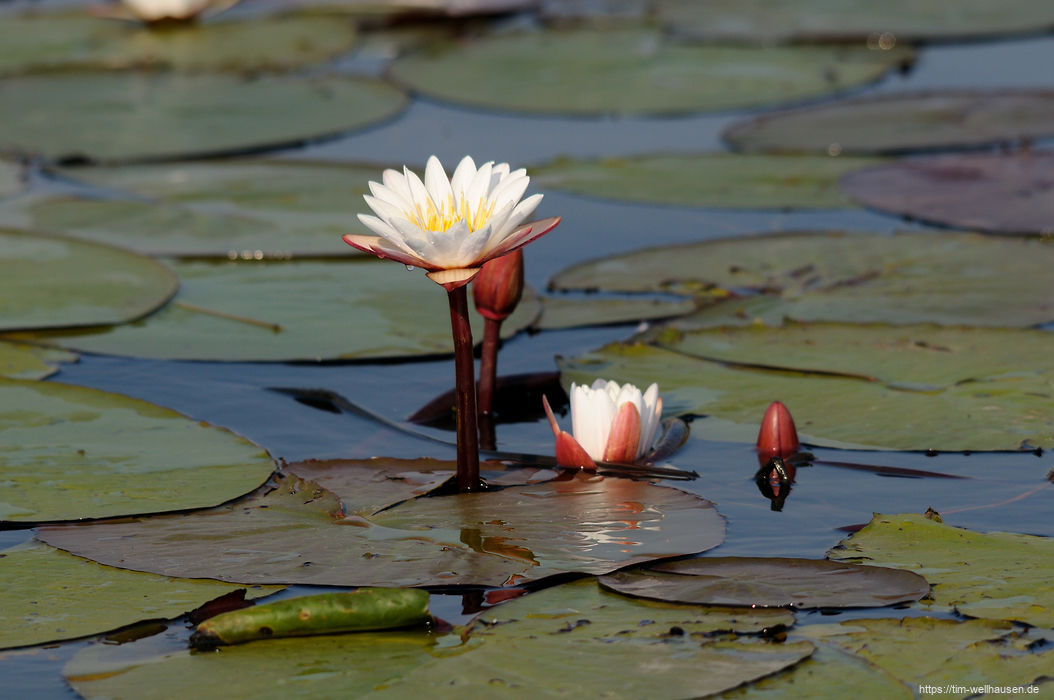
[825, 498]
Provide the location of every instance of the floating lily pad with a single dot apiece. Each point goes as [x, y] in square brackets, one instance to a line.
[928, 651]
[52, 40]
[68, 452]
[51, 282]
[50, 595]
[10, 178]
[998, 575]
[718, 180]
[630, 71]
[19, 361]
[769, 582]
[322, 532]
[905, 278]
[225, 208]
[275, 311]
[830, 410]
[568, 312]
[138, 116]
[900, 123]
[768, 21]
[998, 193]
[497, 660]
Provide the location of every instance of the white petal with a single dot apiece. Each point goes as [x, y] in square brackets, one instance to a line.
[396, 182]
[510, 190]
[389, 195]
[418, 192]
[462, 178]
[437, 183]
[379, 227]
[522, 211]
[383, 209]
[478, 188]
[649, 418]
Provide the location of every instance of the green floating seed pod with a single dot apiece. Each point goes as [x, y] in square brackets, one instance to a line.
[327, 613]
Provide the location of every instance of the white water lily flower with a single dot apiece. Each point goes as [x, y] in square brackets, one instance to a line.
[450, 227]
[160, 10]
[611, 423]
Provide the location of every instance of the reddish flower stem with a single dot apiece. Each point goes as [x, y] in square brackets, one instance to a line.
[488, 365]
[465, 381]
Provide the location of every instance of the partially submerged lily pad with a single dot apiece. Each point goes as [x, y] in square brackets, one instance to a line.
[141, 116]
[323, 532]
[718, 180]
[69, 452]
[56, 40]
[906, 278]
[769, 582]
[20, 361]
[281, 311]
[630, 71]
[880, 24]
[829, 410]
[50, 595]
[998, 193]
[230, 208]
[900, 123]
[997, 575]
[52, 282]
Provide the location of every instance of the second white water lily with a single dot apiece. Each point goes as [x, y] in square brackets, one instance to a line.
[450, 227]
[160, 10]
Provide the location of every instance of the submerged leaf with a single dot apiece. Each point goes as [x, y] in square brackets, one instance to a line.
[997, 575]
[769, 582]
[19, 361]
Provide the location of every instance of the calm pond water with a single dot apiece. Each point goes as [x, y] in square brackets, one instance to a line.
[826, 497]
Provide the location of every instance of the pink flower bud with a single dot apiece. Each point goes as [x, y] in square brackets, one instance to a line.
[497, 289]
[778, 436]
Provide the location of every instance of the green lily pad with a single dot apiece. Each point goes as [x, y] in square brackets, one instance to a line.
[10, 178]
[69, 452]
[945, 278]
[928, 651]
[19, 361]
[630, 71]
[828, 667]
[998, 575]
[503, 657]
[769, 21]
[719, 180]
[900, 123]
[235, 208]
[547, 644]
[997, 193]
[278, 311]
[50, 595]
[53, 40]
[138, 116]
[830, 411]
[323, 532]
[769, 582]
[51, 282]
[577, 312]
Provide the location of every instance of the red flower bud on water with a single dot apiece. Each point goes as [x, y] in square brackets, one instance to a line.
[778, 436]
[497, 289]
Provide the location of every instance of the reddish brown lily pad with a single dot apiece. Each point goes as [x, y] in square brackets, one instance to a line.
[337, 530]
[769, 582]
[901, 123]
[994, 192]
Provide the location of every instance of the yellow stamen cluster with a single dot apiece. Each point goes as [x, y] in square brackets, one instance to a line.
[429, 218]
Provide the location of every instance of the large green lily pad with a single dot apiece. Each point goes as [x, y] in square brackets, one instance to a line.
[20, 361]
[273, 311]
[769, 582]
[997, 575]
[768, 21]
[719, 180]
[233, 208]
[630, 71]
[541, 649]
[998, 193]
[138, 116]
[69, 452]
[50, 595]
[928, 651]
[944, 278]
[323, 532]
[836, 411]
[900, 122]
[52, 282]
[54, 40]
[575, 312]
